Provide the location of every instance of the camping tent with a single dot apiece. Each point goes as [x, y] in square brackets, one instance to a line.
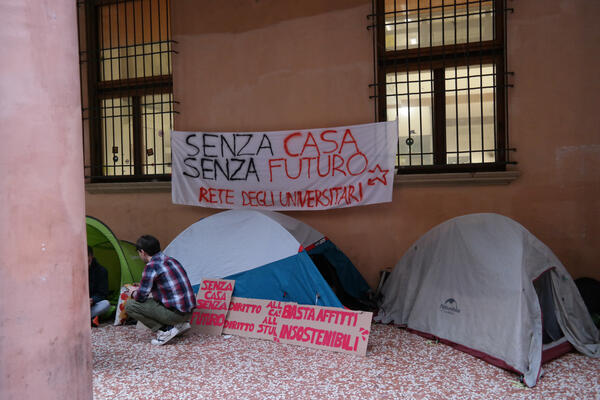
[486, 285]
[326, 255]
[265, 252]
[119, 257]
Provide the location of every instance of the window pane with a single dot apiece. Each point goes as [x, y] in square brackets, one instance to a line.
[409, 100]
[117, 141]
[470, 114]
[423, 23]
[157, 119]
[135, 39]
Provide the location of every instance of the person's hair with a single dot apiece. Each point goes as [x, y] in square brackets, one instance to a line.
[90, 251]
[149, 244]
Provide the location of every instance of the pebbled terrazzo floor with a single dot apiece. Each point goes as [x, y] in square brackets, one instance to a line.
[398, 365]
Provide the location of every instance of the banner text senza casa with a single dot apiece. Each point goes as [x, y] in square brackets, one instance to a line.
[211, 156]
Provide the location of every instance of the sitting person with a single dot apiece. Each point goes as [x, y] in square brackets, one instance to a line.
[98, 287]
[169, 309]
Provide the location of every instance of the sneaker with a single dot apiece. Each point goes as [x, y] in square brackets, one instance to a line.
[164, 336]
[183, 327]
[95, 322]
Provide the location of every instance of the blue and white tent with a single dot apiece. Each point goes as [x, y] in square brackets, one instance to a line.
[268, 254]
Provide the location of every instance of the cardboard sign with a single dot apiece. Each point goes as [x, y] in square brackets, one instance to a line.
[253, 318]
[212, 300]
[307, 169]
[326, 328]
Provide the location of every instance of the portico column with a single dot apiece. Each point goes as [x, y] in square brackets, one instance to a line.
[44, 310]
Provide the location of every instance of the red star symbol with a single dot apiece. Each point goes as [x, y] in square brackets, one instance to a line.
[382, 179]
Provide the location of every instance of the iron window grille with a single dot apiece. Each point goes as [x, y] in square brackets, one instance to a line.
[126, 89]
[440, 70]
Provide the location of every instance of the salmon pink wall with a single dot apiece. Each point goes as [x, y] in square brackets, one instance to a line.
[250, 65]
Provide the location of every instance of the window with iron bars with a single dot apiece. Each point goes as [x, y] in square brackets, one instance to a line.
[441, 72]
[127, 89]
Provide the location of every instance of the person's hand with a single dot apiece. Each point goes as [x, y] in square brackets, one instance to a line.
[91, 301]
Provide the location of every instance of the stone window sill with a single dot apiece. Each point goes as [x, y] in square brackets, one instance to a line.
[458, 178]
[128, 187]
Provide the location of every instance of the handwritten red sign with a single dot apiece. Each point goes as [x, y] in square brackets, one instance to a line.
[326, 328]
[213, 298]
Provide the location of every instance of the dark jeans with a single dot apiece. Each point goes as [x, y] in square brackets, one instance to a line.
[153, 314]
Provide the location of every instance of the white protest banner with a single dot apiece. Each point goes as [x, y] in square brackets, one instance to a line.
[310, 169]
[212, 305]
[325, 328]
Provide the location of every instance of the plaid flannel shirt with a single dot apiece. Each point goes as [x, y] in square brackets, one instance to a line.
[168, 282]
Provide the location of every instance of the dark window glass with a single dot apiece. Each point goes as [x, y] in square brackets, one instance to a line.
[440, 70]
[127, 88]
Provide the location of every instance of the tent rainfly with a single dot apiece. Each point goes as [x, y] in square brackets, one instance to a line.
[486, 285]
[270, 256]
[119, 257]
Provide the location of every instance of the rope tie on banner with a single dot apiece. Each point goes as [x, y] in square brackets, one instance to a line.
[317, 298]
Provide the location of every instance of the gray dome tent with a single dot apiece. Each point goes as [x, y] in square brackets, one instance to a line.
[487, 286]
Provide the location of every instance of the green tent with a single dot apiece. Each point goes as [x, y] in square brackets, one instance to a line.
[119, 257]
